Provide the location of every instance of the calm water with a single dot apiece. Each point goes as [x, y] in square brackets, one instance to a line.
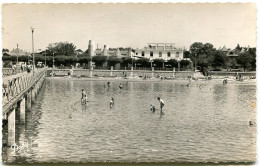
[206, 123]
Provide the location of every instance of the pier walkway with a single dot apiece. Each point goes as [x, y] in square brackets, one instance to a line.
[19, 91]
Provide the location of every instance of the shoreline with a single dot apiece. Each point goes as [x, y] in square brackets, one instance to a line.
[138, 79]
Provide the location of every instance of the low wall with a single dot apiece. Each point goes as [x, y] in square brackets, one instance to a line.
[221, 74]
[145, 73]
[121, 73]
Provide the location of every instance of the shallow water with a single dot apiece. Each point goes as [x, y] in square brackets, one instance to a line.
[206, 122]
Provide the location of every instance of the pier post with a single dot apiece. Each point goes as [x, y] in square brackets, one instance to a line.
[11, 128]
[91, 72]
[29, 100]
[38, 87]
[33, 94]
[111, 72]
[152, 72]
[132, 69]
[173, 73]
[22, 111]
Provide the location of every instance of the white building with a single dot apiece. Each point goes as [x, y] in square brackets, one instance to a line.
[164, 51]
[120, 53]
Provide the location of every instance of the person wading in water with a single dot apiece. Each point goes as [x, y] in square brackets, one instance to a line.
[161, 104]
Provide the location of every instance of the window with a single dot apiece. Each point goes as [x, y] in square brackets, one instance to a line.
[169, 54]
[177, 54]
[151, 54]
[142, 53]
[160, 54]
[137, 53]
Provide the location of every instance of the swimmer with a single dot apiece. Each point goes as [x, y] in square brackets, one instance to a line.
[152, 108]
[250, 123]
[112, 102]
[161, 104]
[85, 100]
[225, 81]
[108, 84]
[120, 86]
[83, 93]
[189, 77]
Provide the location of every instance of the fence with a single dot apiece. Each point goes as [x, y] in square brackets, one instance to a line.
[14, 86]
[10, 71]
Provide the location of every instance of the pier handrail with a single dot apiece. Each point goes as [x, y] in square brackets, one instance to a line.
[10, 71]
[16, 85]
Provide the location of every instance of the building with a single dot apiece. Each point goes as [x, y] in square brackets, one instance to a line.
[164, 51]
[232, 56]
[118, 52]
[16, 52]
[106, 51]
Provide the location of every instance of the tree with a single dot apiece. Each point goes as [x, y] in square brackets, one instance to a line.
[186, 54]
[126, 61]
[184, 63]
[245, 60]
[252, 52]
[158, 62]
[5, 50]
[219, 60]
[99, 60]
[83, 59]
[196, 48]
[113, 60]
[62, 48]
[9, 58]
[144, 62]
[173, 62]
[202, 54]
[23, 58]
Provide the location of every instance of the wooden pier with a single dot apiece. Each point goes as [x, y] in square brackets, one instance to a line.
[19, 92]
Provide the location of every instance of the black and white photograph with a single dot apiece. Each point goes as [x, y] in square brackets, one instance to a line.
[129, 83]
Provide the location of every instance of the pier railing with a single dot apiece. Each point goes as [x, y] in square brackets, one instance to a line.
[15, 85]
[10, 71]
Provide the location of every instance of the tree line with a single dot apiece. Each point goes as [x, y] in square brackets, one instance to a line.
[204, 56]
[100, 61]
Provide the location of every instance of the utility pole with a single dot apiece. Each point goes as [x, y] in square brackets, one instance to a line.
[195, 65]
[53, 60]
[33, 49]
[17, 55]
[45, 58]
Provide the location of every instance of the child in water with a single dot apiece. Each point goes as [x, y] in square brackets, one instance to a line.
[85, 100]
[112, 102]
[83, 93]
[120, 86]
[152, 108]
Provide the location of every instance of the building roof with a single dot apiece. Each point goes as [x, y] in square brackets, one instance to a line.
[232, 53]
[224, 49]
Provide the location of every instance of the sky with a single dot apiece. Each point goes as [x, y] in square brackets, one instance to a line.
[128, 25]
